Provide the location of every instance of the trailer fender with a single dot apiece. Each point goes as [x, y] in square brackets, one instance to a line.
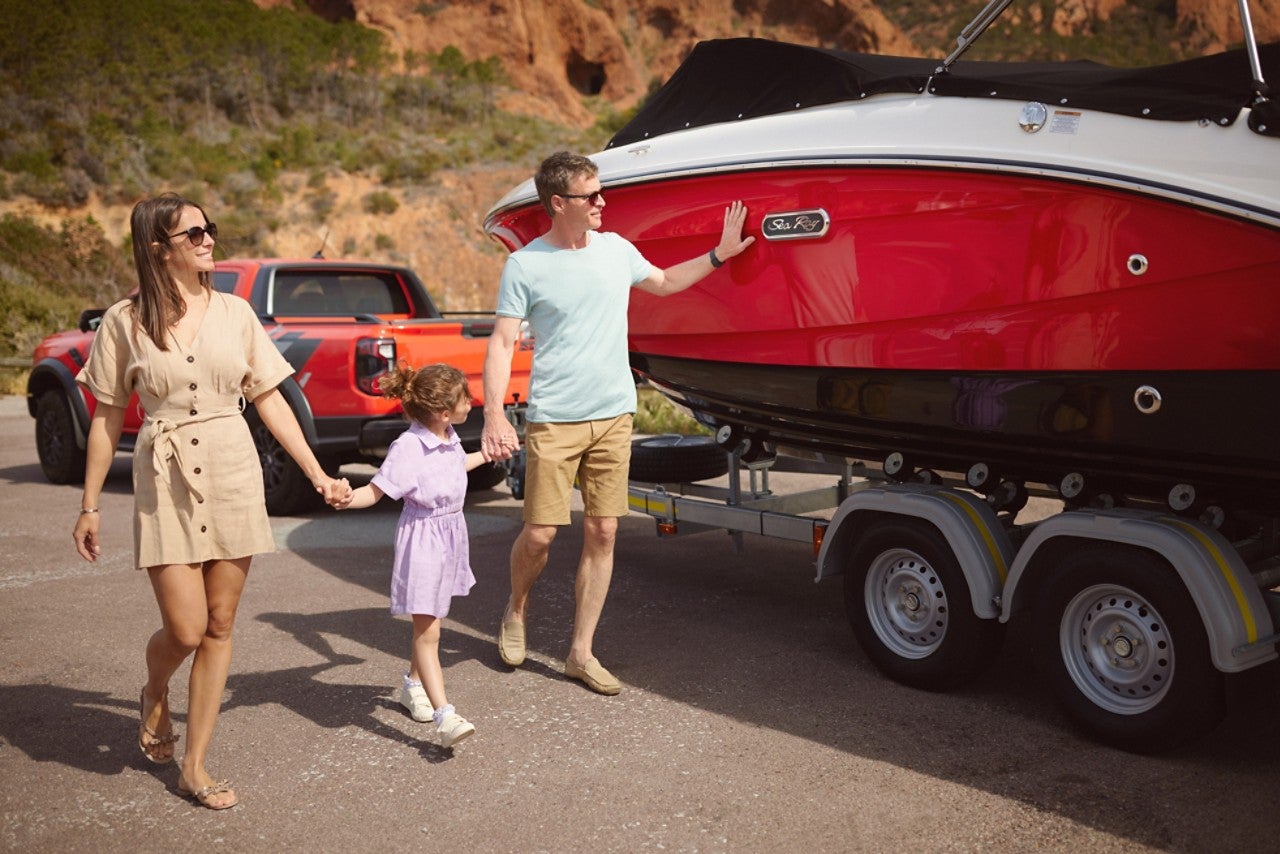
[1236, 619]
[50, 374]
[967, 523]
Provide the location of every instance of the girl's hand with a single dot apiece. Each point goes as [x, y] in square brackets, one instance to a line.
[86, 536]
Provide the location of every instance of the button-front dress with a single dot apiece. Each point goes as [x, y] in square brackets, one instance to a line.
[197, 481]
[432, 558]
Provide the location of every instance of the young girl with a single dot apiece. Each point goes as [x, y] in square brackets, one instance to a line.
[427, 467]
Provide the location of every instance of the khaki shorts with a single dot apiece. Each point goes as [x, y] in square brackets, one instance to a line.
[595, 453]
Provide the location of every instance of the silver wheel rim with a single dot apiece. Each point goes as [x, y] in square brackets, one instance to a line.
[1117, 649]
[906, 603]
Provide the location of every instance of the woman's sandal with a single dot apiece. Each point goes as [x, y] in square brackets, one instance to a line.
[205, 794]
[150, 742]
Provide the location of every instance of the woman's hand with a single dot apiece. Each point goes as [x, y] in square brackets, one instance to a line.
[86, 536]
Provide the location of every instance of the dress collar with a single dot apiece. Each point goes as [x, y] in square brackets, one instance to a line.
[431, 440]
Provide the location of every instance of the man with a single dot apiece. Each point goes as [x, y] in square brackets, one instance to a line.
[572, 285]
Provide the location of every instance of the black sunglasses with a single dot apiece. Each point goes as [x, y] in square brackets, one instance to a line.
[592, 198]
[196, 233]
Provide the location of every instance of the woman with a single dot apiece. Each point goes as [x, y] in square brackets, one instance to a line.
[193, 355]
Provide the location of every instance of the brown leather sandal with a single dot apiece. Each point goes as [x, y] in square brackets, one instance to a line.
[149, 742]
[204, 795]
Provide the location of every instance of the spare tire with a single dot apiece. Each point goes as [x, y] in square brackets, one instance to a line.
[672, 458]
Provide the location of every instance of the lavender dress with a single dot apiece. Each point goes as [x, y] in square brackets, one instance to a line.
[433, 556]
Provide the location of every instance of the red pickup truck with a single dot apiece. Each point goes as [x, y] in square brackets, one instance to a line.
[341, 325]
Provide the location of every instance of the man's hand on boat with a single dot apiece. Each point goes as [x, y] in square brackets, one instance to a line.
[675, 279]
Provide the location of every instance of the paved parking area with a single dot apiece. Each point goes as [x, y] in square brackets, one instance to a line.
[748, 721]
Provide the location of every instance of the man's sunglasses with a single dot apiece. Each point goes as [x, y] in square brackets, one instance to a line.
[196, 233]
[592, 198]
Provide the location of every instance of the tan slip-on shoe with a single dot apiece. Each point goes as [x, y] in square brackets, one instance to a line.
[511, 643]
[594, 676]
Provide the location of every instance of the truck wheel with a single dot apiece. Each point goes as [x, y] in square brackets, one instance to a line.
[909, 605]
[486, 476]
[672, 458]
[61, 459]
[287, 490]
[1126, 651]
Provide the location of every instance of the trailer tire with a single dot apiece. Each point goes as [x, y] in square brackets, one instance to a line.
[1126, 651]
[486, 476]
[909, 605]
[672, 458]
[61, 459]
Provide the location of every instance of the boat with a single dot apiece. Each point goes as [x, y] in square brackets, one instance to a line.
[1064, 275]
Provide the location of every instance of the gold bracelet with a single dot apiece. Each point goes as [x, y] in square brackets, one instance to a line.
[89, 510]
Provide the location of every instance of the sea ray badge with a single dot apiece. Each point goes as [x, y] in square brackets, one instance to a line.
[796, 225]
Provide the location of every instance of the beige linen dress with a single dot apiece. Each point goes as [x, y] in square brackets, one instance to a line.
[197, 482]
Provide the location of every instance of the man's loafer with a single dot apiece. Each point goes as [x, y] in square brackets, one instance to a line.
[511, 643]
[594, 676]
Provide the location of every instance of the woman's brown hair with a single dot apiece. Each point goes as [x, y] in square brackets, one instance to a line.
[425, 391]
[158, 304]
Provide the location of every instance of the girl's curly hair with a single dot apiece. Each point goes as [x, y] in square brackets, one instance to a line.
[425, 391]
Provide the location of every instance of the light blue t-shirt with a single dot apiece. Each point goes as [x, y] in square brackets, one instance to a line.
[576, 303]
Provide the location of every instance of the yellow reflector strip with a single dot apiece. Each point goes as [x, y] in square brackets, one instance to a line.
[1246, 613]
[996, 557]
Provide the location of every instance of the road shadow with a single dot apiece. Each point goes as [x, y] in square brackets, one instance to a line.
[89, 730]
[119, 479]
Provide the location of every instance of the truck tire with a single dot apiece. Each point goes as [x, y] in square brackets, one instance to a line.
[1125, 649]
[287, 490]
[486, 476]
[61, 459]
[672, 458]
[909, 605]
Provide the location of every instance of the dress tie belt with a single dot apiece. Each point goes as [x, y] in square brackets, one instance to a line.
[165, 447]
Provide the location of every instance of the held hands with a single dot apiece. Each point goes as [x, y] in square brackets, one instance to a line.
[499, 439]
[731, 241]
[336, 491]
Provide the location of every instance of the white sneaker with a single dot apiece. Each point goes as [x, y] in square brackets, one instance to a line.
[454, 728]
[415, 700]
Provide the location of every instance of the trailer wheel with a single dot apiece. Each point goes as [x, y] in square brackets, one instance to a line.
[61, 459]
[672, 458]
[1126, 651]
[909, 605]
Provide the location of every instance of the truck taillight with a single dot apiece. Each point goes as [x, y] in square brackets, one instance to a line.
[374, 357]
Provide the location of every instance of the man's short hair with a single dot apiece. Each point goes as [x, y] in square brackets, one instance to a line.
[556, 173]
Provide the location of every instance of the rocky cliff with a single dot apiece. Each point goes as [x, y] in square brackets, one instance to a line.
[558, 52]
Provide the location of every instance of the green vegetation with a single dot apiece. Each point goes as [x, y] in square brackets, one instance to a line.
[1138, 33]
[657, 414]
[223, 103]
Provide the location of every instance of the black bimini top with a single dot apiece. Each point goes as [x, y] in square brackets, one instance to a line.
[727, 80]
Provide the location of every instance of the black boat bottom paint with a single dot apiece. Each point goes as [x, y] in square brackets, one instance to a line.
[1137, 434]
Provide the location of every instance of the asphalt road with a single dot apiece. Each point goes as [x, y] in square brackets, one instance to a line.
[748, 721]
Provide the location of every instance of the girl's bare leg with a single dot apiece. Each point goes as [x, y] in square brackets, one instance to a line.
[425, 663]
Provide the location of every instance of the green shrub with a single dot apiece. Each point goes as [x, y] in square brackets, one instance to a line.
[380, 202]
[655, 413]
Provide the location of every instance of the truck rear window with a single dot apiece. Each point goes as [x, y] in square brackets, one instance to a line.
[307, 294]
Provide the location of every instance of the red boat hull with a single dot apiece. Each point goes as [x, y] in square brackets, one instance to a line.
[934, 289]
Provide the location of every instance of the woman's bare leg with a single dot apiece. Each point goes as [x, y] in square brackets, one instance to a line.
[224, 582]
[184, 616]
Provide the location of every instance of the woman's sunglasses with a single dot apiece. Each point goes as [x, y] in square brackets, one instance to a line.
[196, 233]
